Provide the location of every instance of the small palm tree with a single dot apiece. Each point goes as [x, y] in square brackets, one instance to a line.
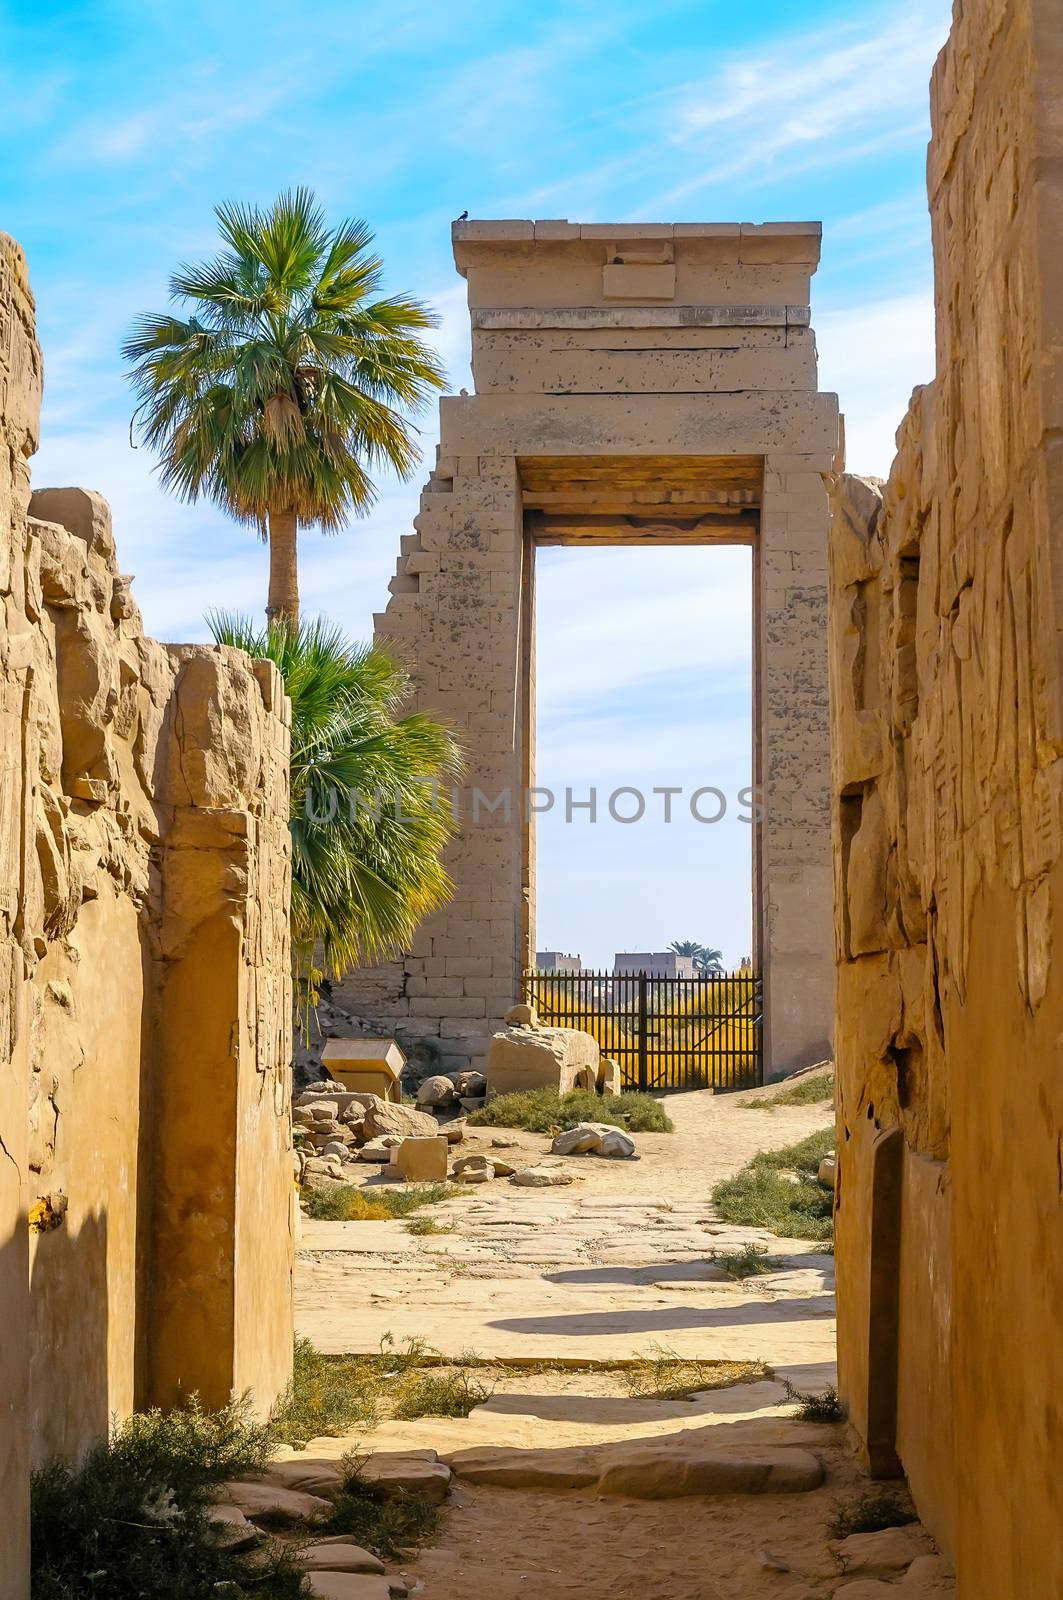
[291, 382]
[367, 821]
[706, 959]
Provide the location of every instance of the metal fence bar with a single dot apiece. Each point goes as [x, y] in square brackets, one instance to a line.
[666, 1033]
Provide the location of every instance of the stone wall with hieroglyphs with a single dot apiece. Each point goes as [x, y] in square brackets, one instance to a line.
[947, 731]
[145, 1002]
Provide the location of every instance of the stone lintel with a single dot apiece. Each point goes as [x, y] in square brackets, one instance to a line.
[763, 422]
[477, 241]
[532, 318]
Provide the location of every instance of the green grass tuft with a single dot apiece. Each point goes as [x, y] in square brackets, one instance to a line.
[426, 1225]
[760, 1197]
[347, 1202]
[752, 1261]
[545, 1111]
[825, 1407]
[130, 1519]
[872, 1511]
[666, 1376]
[440, 1394]
[389, 1524]
[327, 1395]
[809, 1091]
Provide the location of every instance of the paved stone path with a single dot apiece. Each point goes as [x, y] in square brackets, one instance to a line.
[615, 1267]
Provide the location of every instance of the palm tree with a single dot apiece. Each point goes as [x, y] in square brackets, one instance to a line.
[289, 384]
[368, 824]
[706, 959]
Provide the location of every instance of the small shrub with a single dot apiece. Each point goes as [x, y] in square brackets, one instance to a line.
[440, 1394]
[825, 1407]
[808, 1091]
[545, 1111]
[666, 1376]
[871, 1512]
[130, 1520]
[759, 1197]
[386, 1523]
[425, 1225]
[327, 1395]
[752, 1261]
[347, 1202]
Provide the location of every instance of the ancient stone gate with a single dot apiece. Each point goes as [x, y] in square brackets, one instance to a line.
[635, 384]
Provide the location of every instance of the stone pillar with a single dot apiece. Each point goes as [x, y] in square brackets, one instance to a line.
[793, 881]
[221, 1282]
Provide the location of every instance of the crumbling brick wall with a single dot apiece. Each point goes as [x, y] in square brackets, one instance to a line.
[947, 733]
[145, 1002]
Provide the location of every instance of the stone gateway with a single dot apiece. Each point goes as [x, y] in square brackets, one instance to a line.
[635, 384]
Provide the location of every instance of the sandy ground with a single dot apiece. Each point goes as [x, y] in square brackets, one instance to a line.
[616, 1267]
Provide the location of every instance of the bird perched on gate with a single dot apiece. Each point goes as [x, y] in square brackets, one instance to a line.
[463, 218]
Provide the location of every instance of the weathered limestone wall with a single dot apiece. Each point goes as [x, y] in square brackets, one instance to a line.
[646, 383]
[947, 741]
[145, 1168]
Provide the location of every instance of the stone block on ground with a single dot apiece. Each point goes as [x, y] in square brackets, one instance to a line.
[437, 1091]
[526, 1469]
[473, 1169]
[415, 1471]
[381, 1149]
[617, 1145]
[306, 1476]
[339, 1554]
[272, 1501]
[882, 1553]
[423, 1160]
[646, 1472]
[347, 1586]
[828, 1168]
[521, 1016]
[542, 1058]
[469, 1083]
[230, 1528]
[610, 1077]
[406, 1122]
[542, 1177]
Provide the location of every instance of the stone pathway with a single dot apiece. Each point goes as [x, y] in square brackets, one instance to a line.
[561, 1484]
[615, 1267]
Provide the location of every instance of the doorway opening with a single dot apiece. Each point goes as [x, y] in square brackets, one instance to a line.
[644, 828]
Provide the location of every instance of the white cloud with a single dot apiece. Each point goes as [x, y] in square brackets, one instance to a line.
[873, 356]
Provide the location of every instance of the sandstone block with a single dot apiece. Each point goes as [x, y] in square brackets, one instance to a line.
[423, 1160]
[880, 1554]
[415, 1471]
[610, 1076]
[543, 1177]
[258, 1499]
[400, 1121]
[347, 1586]
[528, 1057]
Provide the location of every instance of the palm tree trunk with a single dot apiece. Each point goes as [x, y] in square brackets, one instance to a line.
[283, 602]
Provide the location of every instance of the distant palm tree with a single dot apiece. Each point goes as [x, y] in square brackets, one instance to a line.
[363, 877]
[706, 960]
[290, 383]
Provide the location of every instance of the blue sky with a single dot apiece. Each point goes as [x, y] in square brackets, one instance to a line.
[123, 124]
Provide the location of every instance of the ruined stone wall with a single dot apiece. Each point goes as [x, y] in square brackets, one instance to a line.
[145, 1167]
[947, 741]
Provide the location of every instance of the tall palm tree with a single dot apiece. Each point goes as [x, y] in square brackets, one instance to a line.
[290, 382]
[368, 822]
[706, 959]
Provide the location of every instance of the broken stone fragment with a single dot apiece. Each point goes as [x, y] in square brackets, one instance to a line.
[617, 1144]
[437, 1091]
[581, 1139]
[542, 1177]
[386, 1117]
[521, 1016]
[828, 1169]
[882, 1553]
[379, 1149]
[473, 1169]
[469, 1083]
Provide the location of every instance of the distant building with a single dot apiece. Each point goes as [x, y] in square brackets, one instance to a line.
[556, 961]
[654, 963]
